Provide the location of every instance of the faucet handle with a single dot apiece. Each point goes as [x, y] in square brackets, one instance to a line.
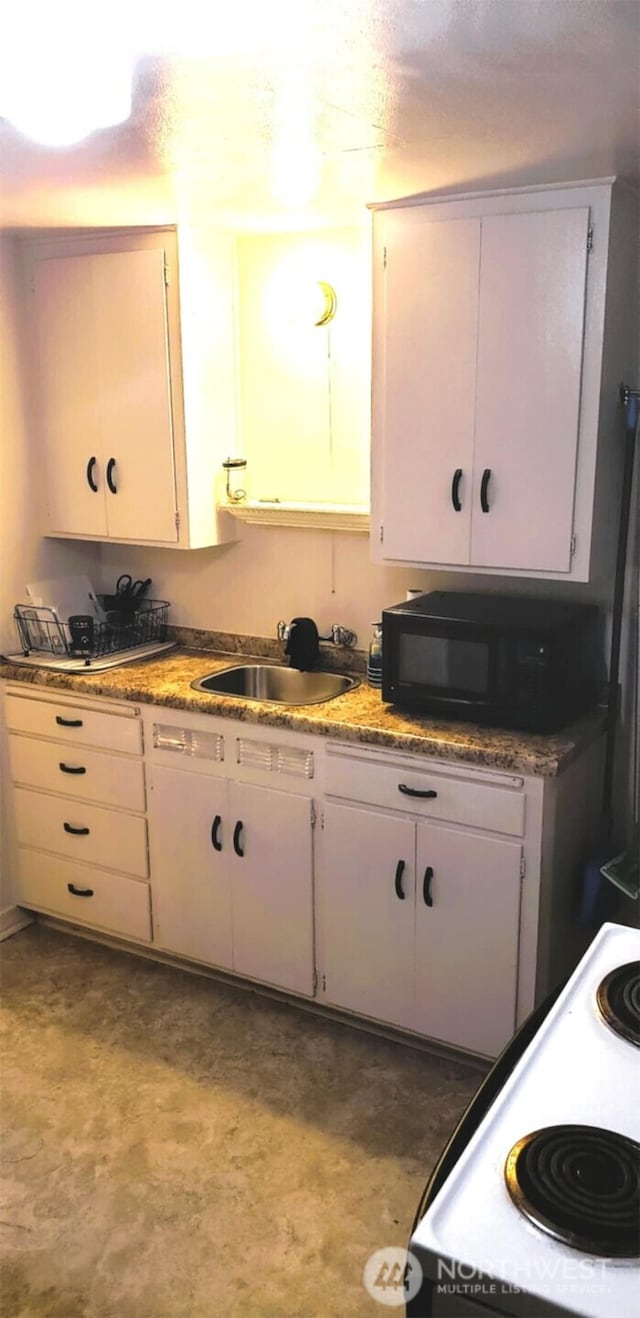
[343, 636]
[283, 630]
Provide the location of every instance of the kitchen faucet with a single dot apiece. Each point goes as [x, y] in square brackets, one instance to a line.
[338, 635]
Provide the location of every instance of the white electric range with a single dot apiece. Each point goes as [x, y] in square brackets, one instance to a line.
[535, 1207]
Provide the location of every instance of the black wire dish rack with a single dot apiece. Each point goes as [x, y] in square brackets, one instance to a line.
[41, 630]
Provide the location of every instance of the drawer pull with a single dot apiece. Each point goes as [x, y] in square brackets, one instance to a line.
[79, 892]
[69, 722]
[415, 791]
[68, 828]
[398, 880]
[215, 836]
[70, 768]
[426, 886]
[236, 838]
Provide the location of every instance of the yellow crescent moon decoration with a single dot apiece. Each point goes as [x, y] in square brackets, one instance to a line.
[330, 303]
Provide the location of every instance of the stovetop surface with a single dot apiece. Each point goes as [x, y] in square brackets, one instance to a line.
[576, 1071]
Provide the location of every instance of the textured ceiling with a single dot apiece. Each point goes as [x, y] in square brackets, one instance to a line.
[299, 112]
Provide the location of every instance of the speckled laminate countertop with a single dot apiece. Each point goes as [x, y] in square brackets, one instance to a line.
[357, 716]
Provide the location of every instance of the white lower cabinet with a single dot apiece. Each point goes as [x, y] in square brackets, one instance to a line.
[369, 933]
[272, 886]
[421, 926]
[433, 897]
[232, 873]
[78, 819]
[85, 895]
[191, 880]
[467, 919]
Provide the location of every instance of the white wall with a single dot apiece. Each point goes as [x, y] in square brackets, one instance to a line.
[26, 555]
[281, 572]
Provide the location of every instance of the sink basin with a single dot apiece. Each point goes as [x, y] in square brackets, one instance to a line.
[284, 686]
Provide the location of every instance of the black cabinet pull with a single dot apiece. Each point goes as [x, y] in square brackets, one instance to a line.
[79, 892]
[90, 481]
[215, 838]
[236, 838]
[110, 465]
[68, 828]
[415, 791]
[484, 485]
[70, 768]
[69, 722]
[426, 886]
[398, 880]
[455, 486]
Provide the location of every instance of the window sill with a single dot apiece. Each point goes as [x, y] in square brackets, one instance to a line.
[320, 516]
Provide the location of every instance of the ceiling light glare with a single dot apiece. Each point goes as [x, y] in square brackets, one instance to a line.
[79, 104]
[60, 80]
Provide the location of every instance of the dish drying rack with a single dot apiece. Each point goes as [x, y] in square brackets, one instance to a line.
[46, 640]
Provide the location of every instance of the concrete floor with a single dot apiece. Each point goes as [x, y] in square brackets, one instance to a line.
[173, 1147]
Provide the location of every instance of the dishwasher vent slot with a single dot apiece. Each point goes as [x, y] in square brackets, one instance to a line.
[287, 760]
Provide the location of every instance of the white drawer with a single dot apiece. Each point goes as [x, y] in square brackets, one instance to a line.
[104, 837]
[108, 901]
[80, 773]
[456, 799]
[86, 727]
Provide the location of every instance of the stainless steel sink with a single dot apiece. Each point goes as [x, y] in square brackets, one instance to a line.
[284, 686]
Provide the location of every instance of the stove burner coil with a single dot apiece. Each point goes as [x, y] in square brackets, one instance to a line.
[580, 1184]
[618, 1000]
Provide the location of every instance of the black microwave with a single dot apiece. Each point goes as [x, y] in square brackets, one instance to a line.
[494, 659]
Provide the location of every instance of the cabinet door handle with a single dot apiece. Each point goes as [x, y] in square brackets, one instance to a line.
[79, 892]
[398, 880]
[81, 832]
[90, 481]
[110, 482]
[69, 722]
[426, 886]
[455, 486]
[236, 838]
[215, 838]
[70, 768]
[415, 791]
[484, 486]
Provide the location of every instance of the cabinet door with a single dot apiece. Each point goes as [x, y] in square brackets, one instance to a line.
[135, 400]
[366, 903]
[189, 845]
[530, 343]
[425, 415]
[270, 851]
[467, 919]
[69, 395]
[104, 395]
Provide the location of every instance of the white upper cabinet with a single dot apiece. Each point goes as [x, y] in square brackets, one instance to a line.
[496, 419]
[116, 461]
